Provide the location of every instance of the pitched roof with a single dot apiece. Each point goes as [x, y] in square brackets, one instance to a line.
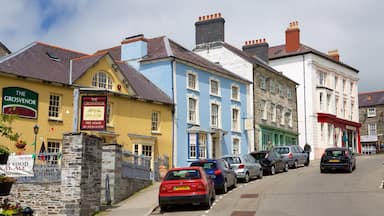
[277, 52]
[50, 63]
[371, 98]
[162, 47]
[115, 52]
[254, 60]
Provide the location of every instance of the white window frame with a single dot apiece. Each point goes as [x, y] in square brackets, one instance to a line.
[237, 138]
[137, 148]
[263, 109]
[98, 82]
[196, 120]
[263, 82]
[271, 86]
[218, 104]
[202, 144]
[155, 122]
[322, 78]
[196, 88]
[371, 112]
[193, 142]
[55, 106]
[235, 122]
[289, 92]
[321, 101]
[233, 86]
[282, 116]
[53, 146]
[273, 112]
[372, 129]
[218, 87]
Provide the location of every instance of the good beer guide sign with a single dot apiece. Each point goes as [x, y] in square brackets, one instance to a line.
[20, 101]
[93, 112]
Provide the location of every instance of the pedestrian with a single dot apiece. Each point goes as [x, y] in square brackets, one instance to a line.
[269, 145]
[307, 149]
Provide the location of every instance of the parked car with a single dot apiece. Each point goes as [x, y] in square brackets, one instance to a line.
[245, 166]
[295, 155]
[221, 173]
[338, 158]
[271, 161]
[186, 185]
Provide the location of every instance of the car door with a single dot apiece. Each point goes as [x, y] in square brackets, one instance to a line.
[252, 165]
[303, 155]
[279, 161]
[229, 173]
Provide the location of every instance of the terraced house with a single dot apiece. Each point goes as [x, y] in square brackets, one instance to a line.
[210, 101]
[56, 80]
[273, 95]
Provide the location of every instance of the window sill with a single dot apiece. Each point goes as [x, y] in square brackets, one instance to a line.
[235, 100]
[55, 120]
[110, 126]
[215, 95]
[195, 90]
[156, 132]
[235, 131]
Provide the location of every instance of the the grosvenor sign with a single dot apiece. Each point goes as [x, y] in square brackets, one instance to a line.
[93, 112]
[20, 101]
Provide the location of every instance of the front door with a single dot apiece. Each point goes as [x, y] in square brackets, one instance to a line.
[216, 150]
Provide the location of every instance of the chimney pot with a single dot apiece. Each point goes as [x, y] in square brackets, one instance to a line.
[334, 54]
[219, 14]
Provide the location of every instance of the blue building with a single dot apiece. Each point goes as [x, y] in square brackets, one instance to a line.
[210, 101]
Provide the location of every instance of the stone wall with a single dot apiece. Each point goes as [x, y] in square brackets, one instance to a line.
[43, 198]
[119, 187]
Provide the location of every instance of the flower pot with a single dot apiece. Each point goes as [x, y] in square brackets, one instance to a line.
[5, 188]
[20, 145]
[3, 158]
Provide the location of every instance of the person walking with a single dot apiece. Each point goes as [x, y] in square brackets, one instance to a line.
[307, 149]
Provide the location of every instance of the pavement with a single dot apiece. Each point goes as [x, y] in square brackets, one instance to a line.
[142, 203]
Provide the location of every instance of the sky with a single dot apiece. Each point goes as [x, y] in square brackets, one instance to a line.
[354, 27]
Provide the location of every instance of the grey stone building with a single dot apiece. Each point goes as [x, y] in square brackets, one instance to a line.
[273, 96]
[371, 113]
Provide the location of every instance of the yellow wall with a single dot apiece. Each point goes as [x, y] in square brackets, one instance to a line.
[129, 116]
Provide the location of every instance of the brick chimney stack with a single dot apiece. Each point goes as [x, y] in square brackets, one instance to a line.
[257, 48]
[209, 28]
[334, 54]
[292, 37]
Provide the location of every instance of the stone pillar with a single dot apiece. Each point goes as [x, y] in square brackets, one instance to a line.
[111, 166]
[81, 174]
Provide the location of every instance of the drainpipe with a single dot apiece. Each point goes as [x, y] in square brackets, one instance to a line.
[305, 102]
[174, 112]
[75, 101]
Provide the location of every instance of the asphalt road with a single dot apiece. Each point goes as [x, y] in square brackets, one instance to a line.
[303, 192]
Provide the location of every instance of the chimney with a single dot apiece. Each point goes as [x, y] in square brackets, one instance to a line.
[209, 28]
[257, 48]
[334, 54]
[292, 37]
[134, 48]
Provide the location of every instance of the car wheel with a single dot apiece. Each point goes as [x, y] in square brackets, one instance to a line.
[350, 168]
[261, 174]
[225, 187]
[296, 165]
[322, 170]
[246, 178]
[208, 204]
[286, 167]
[213, 195]
[273, 170]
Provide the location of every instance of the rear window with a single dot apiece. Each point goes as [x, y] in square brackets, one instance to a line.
[282, 150]
[259, 156]
[335, 153]
[183, 174]
[205, 165]
[233, 160]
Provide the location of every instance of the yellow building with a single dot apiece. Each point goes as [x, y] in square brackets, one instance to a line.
[45, 85]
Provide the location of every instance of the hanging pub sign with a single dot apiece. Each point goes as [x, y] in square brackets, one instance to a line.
[20, 101]
[93, 112]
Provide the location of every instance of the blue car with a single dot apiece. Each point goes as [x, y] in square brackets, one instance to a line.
[220, 172]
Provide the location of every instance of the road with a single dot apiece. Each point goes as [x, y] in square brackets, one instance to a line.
[303, 192]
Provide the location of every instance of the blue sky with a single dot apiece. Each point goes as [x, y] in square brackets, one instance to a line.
[354, 27]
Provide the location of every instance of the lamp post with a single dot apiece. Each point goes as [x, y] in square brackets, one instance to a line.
[35, 131]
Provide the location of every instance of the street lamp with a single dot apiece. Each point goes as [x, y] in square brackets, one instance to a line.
[35, 131]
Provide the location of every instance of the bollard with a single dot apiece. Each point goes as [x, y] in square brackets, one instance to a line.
[27, 211]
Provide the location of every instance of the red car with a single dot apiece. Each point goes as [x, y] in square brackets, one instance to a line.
[186, 185]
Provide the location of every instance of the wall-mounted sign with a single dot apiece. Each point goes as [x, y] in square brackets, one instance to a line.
[18, 166]
[20, 101]
[93, 112]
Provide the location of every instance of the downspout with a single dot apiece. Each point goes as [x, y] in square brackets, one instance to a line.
[255, 147]
[305, 102]
[174, 112]
[75, 101]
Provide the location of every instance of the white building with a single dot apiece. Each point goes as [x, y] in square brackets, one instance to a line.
[327, 95]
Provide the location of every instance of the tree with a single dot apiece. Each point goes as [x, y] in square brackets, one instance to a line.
[6, 129]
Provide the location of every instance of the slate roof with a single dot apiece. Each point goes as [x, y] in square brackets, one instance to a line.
[277, 52]
[50, 63]
[371, 98]
[163, 47]
[254, 60]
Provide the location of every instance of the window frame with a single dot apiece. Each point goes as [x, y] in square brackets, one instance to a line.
[196, 111]
[57, 107]
[237, 90]
[218, 94]
[155, 121]
[371, 112]
[218, 116]
[97, 81]
[238, 145]
[263, 83]
[51, 149]
[372, 128]
[235, 126]
[196, 88]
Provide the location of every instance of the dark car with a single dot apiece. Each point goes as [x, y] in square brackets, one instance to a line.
[338, 158]
[221, 173]
[295, 155]
[271, 161]
[186, 185]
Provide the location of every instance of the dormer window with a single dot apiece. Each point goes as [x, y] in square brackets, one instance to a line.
[102, 80]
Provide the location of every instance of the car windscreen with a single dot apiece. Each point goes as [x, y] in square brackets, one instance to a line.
[282, 150]
[183, 174]
[232, 160]
[259, 156]
[205, 165]
[334, 153]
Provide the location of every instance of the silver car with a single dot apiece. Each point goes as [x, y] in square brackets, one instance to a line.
[244, 166]
[294, 154]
